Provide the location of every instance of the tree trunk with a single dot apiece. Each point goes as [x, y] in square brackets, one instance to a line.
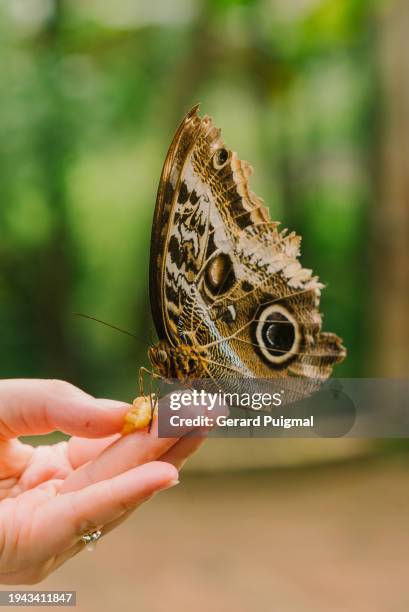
[391, 219]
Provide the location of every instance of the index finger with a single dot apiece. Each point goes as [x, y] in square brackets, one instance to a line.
[36, 406]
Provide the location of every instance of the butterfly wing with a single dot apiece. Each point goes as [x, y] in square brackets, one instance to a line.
[164, 279]
[224, 279]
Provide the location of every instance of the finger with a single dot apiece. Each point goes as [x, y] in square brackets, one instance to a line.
[73, 514]
[81, 450]
[80, 545]
[14, 458]
[180, 452]
[134, 449]
[177, 456]
[131, 453]
[30, 407]
[124, 454]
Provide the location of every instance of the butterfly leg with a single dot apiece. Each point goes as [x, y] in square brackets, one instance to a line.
[142, 371]
[153, 399]
[144, 407]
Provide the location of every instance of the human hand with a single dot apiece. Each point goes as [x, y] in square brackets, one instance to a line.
[52, 495]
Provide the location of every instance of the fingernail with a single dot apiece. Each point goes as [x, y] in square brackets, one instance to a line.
[171, 483]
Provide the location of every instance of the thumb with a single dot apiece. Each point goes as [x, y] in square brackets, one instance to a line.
[34, 406]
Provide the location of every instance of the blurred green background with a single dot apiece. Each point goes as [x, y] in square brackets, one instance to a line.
[315, 94]
[90, 95]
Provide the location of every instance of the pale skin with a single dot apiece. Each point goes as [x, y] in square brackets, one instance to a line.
[51, 495]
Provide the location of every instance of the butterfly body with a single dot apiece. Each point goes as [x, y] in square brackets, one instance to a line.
[229, 295]
[182, 362]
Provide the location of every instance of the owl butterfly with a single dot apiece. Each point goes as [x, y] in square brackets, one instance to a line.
[229, 296]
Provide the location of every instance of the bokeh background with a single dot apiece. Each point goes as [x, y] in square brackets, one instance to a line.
[315, 94]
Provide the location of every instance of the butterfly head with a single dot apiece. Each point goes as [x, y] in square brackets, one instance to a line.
[159, 358]
[181, 362]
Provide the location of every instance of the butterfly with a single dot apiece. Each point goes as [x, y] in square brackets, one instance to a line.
[229, 296]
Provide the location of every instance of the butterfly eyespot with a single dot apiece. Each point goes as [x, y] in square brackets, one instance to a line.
[220, 158]
[277, 334]
[219, 275]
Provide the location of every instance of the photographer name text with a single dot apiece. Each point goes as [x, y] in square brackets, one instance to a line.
[203, 400]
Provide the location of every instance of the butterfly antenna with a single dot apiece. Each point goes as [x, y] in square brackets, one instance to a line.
[123, 331]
